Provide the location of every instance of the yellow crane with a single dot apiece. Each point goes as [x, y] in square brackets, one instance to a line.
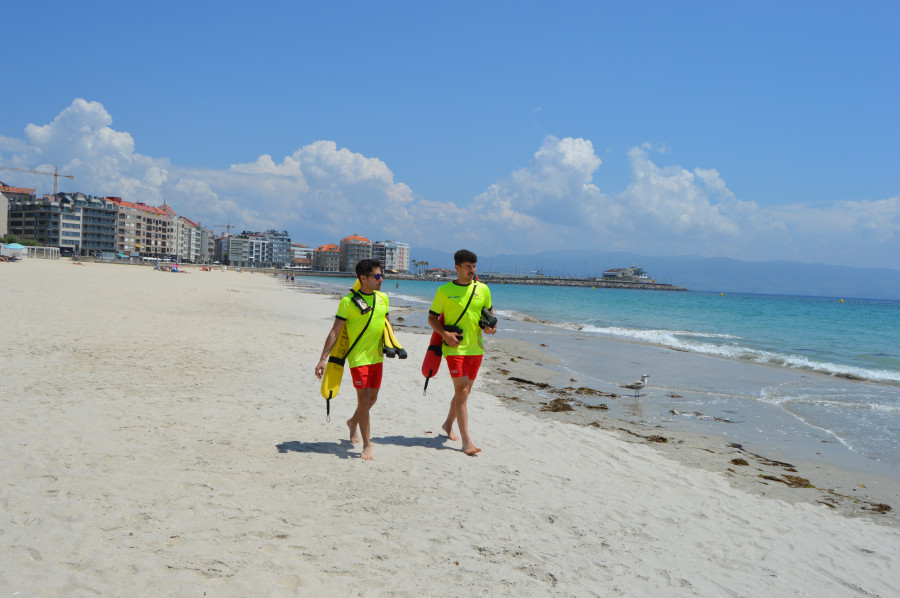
[55, 174]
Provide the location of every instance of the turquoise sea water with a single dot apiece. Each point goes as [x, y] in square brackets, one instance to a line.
[854, 343]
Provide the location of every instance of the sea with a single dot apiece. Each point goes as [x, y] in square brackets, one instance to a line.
[829, 367]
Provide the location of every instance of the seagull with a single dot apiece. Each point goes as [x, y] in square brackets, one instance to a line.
[637, 386]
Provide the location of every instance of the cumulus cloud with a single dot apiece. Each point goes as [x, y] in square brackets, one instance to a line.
[322, 192]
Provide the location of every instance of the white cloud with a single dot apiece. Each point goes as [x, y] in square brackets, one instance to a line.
[322, 192]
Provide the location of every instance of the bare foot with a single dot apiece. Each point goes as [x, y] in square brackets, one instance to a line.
[470, 449]
[367, 454]
[354, 436]
[449, 431]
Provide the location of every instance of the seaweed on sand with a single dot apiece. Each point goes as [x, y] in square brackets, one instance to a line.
[791, 481]
[557, 405]
[531, 382]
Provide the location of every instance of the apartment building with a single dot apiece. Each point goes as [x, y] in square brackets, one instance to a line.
[10, 195]
[145, 230]
[302, 256]
[235, 251]
[280, 248]
[326, 258]
[353, 249]
[207, 246]
[99, 219]
[76, 223]
[259, 250]
[4, 208]
[393, 255]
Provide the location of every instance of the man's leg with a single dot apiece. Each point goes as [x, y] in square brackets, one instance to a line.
[462, 386]
[454, 364]
[365, 399]
[367, 380]
[451, 417]
[352, 423]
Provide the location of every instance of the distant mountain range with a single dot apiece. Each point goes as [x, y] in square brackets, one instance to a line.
[696, 273]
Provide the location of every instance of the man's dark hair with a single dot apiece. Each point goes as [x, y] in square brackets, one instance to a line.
[464, 255]
[365, 267]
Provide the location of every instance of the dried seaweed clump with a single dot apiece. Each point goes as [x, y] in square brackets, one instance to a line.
[791, 481]
[557, 405]
[880, 508]
[532, 382]
[739, 461]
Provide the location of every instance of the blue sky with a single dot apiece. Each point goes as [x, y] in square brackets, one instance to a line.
[765, 130]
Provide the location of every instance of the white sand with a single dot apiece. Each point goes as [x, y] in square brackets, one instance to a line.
[163, 435]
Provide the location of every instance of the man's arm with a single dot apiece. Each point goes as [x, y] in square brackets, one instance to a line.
[488, 329]
[329, 344]
[449, 338]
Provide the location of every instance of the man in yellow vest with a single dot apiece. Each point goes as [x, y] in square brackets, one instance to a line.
[461, 302]
[367, 357]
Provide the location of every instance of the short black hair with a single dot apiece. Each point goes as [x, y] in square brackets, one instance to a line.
[365, 267]
[464, 255]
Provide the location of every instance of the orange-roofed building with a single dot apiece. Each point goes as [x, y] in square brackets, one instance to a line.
[326, 258]
[146, 230]
[353, 249]
[17, 193]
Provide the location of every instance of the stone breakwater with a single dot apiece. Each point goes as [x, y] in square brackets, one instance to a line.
[548, 281]
[580, 282]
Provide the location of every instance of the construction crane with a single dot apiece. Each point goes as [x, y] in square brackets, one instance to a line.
[55, 174]
[227, 227]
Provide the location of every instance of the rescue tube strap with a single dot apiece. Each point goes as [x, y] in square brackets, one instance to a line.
[468, 303]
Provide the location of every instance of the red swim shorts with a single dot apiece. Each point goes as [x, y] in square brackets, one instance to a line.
[464, 365]
[367, 376]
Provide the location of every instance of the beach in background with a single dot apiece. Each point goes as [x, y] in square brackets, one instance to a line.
[165, 433]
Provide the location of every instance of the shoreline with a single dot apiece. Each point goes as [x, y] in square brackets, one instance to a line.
[524, 376]
[164, 434]
[772, 474]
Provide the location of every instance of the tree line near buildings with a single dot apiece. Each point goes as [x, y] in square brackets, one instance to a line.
[6, 239]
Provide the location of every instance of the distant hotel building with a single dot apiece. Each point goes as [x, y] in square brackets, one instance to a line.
[146, 231]
[327, 258]
[353, 249]
[74, 222]
[10, 194]
[257, 250]
[302, 256]
[393, 255]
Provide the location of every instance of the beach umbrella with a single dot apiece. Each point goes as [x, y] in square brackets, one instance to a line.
[15, 246]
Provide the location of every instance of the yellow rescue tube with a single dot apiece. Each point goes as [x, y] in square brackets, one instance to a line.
[334, 369]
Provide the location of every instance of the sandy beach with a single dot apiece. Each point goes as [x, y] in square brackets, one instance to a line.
[164, 436]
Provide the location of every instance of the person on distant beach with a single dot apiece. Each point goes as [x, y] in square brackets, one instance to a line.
[461, 302]
[367, 357]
